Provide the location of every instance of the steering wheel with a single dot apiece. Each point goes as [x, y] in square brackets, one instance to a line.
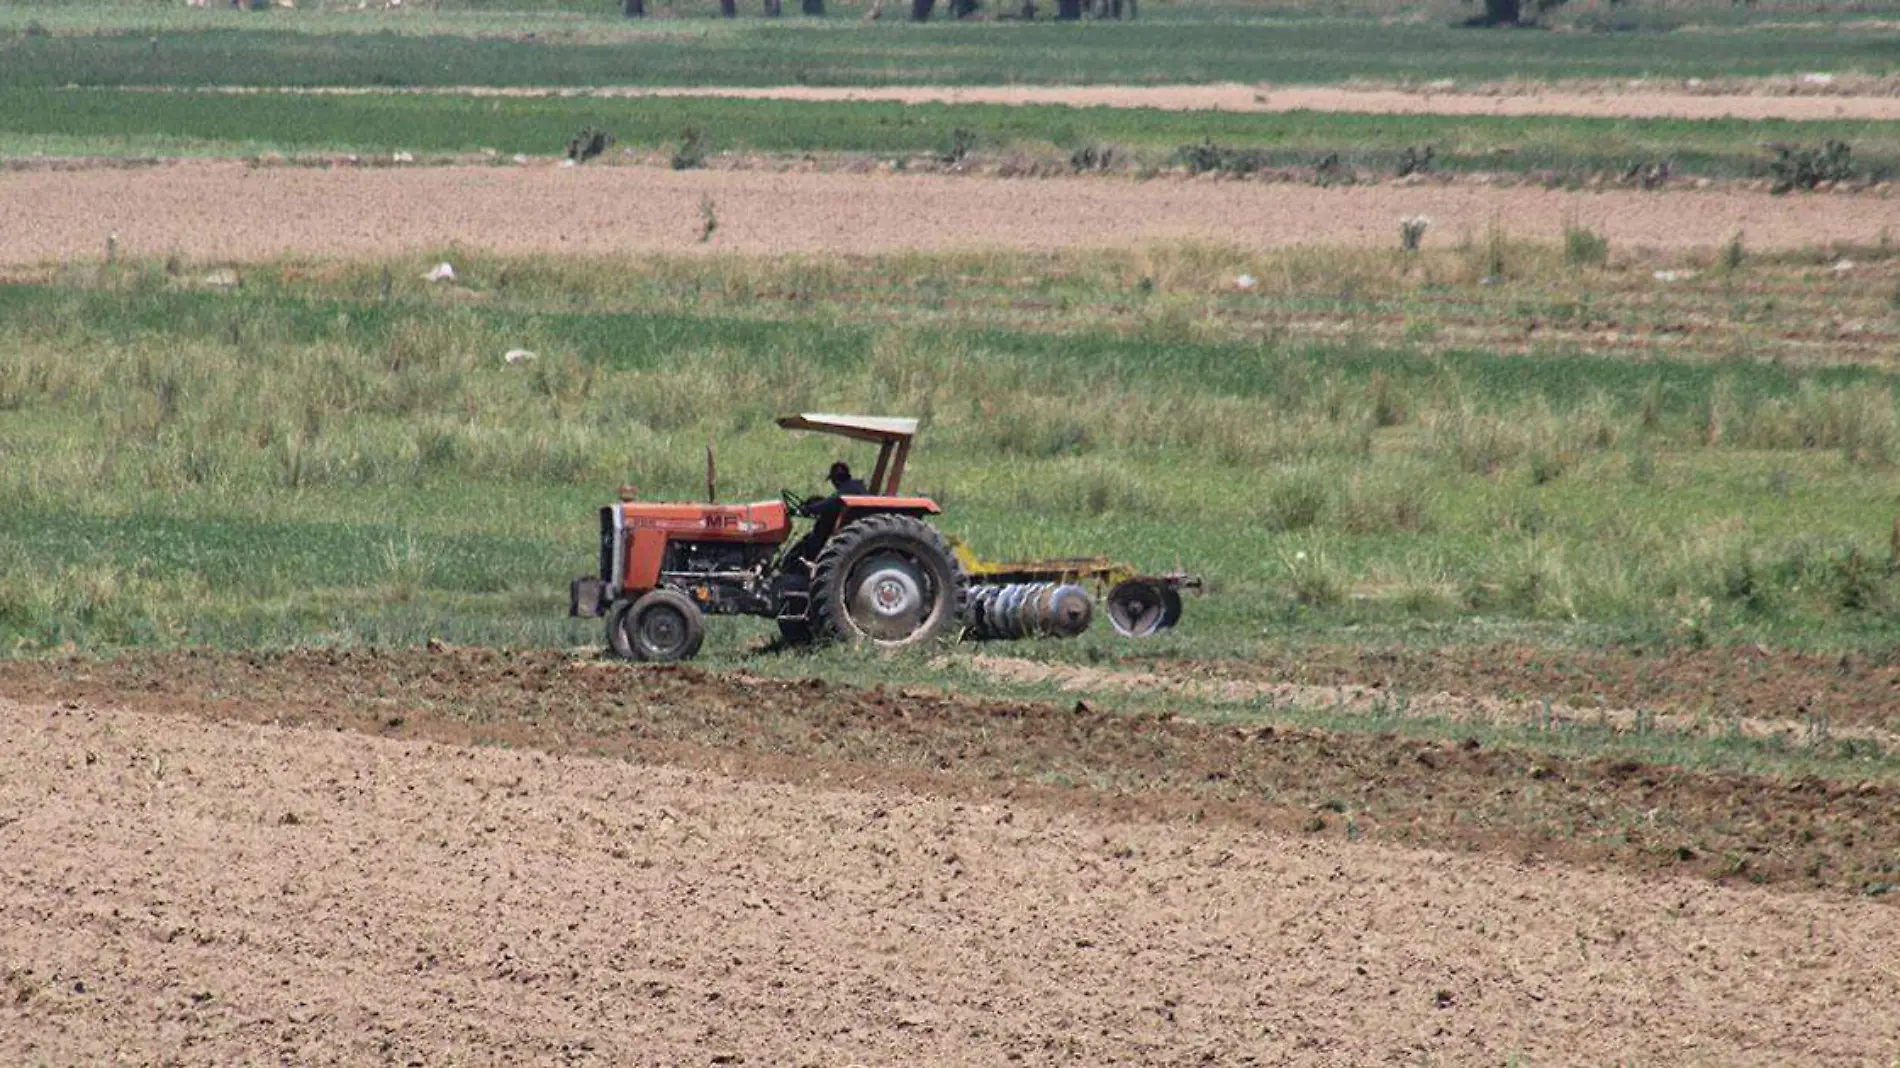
[799, 506]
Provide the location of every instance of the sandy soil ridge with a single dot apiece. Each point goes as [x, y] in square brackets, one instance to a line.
[233, 212]
[1232, 97]
[1621, 103]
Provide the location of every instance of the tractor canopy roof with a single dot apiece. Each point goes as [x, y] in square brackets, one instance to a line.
[873, 428]
[891, 434]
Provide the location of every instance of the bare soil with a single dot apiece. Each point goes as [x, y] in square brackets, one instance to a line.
[1623, 104]
[1772, 686]
[1508, 687]
[1803, 833]
[486, 857]
[1856, 98]
[481, 857]
[230, 212]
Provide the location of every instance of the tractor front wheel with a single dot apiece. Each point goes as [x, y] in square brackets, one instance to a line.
[661, 627]
[889, 581]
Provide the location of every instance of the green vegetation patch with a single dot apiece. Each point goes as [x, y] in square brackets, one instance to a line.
[322, 455]
[1232, 45]
[109, 122]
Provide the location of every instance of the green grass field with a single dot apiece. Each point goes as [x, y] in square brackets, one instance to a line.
[1366, 444]
[72, 74]
[123, 123]
[94, 44]
[306, 459]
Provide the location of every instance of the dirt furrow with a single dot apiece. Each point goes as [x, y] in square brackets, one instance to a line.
[1778, 689]
[1793, 832]
[1797, 102]
[231, 212]
[1268, 98]
[1373, 699]
[185, 891]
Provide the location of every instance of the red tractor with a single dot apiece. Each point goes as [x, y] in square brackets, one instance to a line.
[882, 575]
[874, 571]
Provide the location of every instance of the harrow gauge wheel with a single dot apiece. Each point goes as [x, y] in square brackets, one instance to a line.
[1139, 609]
[1170, 607]
[887, 580]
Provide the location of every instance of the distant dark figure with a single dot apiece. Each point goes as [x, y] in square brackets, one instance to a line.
[1509, 13]
[587, 144]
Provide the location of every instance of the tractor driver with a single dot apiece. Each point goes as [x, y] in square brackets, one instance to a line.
[825, 512]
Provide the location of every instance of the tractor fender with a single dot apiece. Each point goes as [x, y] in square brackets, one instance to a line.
[858, 506]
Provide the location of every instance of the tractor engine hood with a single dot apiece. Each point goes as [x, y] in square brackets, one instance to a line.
[749, 522]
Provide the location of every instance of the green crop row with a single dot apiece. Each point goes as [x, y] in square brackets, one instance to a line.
[305, 458]
[288, 48]
[138, 123]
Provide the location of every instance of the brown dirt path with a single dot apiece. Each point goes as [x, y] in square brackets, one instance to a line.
[1232, 97]
[1620, 102]
[184, 891]
[233, 212]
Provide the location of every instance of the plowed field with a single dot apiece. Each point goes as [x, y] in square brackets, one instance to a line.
[508, 858]
[478, 856]
[1613, 100]
[1610, 104]
[233, 212]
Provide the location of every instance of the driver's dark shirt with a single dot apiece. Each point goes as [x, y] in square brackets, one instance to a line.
[834, 504]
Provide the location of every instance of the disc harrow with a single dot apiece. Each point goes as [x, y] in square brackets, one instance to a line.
[1053, 598]
[1028, 610]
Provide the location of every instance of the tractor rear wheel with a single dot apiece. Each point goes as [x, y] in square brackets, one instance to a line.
[889, 581]
[661, 627]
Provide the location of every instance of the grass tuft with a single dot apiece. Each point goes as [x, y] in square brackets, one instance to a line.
[1584, 247]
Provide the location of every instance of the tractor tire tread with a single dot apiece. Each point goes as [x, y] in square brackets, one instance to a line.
[828, 616]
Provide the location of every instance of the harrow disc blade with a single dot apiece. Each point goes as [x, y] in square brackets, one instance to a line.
[1070, 611]
[1028, 610]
